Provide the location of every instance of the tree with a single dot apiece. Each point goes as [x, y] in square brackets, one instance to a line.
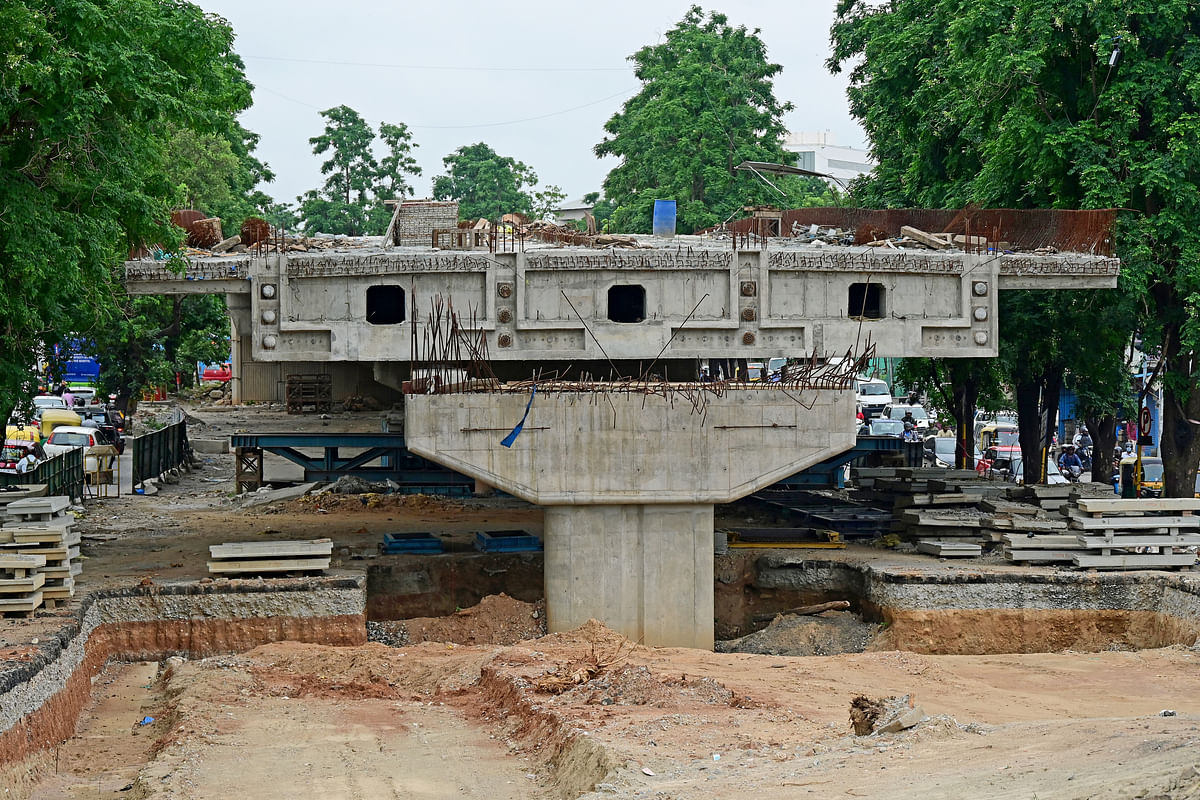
[356, 184]
[958, 385]
[546, 201]
[151, 339]
[218, 173]
[706, 105]
[90, 96]
[485, 183]
[1032, 103]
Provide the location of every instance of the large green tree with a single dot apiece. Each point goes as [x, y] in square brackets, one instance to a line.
[356, 182]
[91, 93]
[485, 183]
[707, 104]
[219, 174]
[1065, 104]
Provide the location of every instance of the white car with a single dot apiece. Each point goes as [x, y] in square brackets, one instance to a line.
[72, 437]
[873, 395]
[85, 396]
[898, 411]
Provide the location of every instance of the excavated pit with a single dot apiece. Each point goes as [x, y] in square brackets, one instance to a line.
[905, 605]
[966, 609]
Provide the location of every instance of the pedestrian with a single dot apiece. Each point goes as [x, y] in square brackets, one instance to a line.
[67, 395]
[27, 463]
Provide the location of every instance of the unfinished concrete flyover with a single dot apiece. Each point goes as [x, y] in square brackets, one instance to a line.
[596, 353]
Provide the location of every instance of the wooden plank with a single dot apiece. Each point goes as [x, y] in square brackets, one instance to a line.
[1133, 523]
[269, 565]
[288, 549]
[1143, 540]
[1094, 505]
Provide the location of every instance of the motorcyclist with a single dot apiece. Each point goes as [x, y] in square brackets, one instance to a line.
[911, 434]
[1083, 439]
[1069, 463]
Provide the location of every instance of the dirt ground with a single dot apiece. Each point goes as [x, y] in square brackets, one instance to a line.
[481, 704]
[432, 720]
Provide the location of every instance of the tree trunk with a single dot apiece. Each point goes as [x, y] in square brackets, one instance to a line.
[1029, 421]
[1104, 442]
[1180, 444]
[966, 394]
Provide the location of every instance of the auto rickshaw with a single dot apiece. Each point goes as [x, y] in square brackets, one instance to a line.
[1001, 435]
[55, 417]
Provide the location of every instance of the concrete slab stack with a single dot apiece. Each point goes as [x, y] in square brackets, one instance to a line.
[259, 557]
[41, 530]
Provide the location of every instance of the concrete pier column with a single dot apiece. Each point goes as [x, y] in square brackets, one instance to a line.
[645, 571]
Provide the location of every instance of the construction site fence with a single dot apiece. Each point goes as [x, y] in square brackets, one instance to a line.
[160, 451]
[63, 475]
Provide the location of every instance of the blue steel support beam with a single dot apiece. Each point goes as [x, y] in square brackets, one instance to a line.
[396, 463]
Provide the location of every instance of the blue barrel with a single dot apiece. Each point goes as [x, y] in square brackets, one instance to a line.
[664, 217]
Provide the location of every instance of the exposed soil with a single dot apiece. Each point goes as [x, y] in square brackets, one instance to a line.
[481, 704]
[826, 634]
[498, 619]
[436, 720]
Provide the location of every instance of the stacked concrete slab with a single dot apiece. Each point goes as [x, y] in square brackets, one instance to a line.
[260, 557]
[1135, 534]
[39, 553]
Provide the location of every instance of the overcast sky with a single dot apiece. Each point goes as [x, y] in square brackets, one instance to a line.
[536, 82]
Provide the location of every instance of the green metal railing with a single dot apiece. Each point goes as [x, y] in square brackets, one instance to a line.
[155, 453]
[63, 474]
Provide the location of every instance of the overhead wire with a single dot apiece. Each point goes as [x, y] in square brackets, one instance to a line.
[434, 67]
[473, 125]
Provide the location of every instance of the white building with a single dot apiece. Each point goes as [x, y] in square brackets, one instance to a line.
[817, 152]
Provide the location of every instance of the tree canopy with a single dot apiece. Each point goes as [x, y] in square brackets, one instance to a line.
[485, 183]
[356, 183]
[707, 103]
[1033, 103]
[91, 95]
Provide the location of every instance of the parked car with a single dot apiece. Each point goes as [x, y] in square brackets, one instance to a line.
[873, 394]
[12, 452]
[53, 418]
[898, 410]
[105, 422]
[882, 427]
[217, 372]
[72, 437]
[985, 418]
[20, 428]
[939, 452]
[85, 396]
[45, 401]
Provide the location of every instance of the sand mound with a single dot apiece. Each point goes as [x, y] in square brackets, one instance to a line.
[497, 619]
[828, 634]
